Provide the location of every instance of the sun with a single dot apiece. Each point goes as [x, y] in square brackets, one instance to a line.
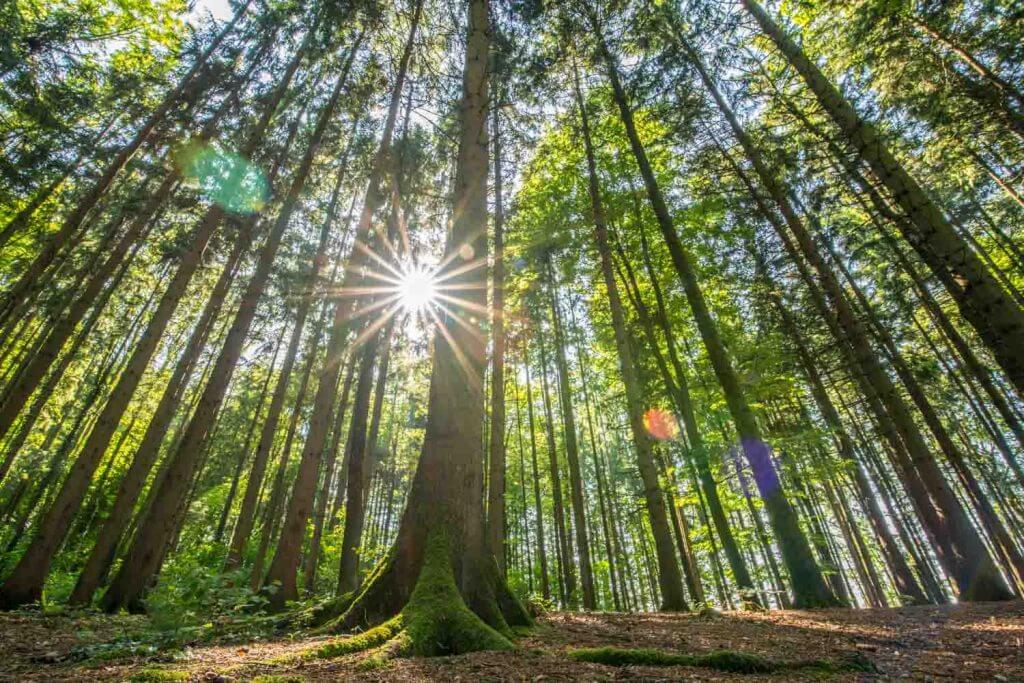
[417, 289]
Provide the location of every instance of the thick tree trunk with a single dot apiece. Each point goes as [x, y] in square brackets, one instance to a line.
[440, 579]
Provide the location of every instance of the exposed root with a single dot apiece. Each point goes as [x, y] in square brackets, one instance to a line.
[435, 621]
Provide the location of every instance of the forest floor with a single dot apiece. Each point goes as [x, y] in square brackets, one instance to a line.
[980, 642]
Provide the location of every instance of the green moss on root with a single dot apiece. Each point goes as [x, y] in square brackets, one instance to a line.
[722, 660]
[436, 620]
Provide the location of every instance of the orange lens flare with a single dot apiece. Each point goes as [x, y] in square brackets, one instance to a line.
[661, 424]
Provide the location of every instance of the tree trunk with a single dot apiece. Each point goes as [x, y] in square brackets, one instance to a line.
[572, 457]
[906, 584]
[567, 579]
[286, 557]
[24, 584]
[142, 559]
[669, 578]
[545, 585]
[496, 526]
[439, 579]
[998, 320]
[356, 457]
[807, 582]
[254, 484]
[102, 555]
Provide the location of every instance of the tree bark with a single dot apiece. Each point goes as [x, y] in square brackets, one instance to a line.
[439, 578]
[496, 525]
[286, 557]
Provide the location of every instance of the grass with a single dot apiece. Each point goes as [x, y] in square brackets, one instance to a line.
[722, 660]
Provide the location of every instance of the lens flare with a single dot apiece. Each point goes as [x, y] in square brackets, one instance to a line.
[661, 424]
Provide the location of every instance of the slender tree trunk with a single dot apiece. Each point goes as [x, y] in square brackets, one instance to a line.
[24, 584]
[807, 582]
[247, 512]
[356, 457]
[142, 559]
[906, 584]
[669, 578]
[243, 456]
[545, 585]
[680, 394]
[998, 320]
[286, 557]
[102, 555]
[567, 579]
[975, 572]
[496, 525]
[578, 504]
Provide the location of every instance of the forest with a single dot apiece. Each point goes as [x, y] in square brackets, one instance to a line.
[511, 340]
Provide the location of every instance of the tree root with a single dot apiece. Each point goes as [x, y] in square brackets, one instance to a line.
[435, 621]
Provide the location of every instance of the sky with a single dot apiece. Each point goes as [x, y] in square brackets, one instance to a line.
[220, 9]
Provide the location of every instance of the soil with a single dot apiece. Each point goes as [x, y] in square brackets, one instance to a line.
[978, 642]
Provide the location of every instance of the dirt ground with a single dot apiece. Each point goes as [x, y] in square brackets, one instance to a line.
[980, 642]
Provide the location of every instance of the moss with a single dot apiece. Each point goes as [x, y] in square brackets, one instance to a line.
[153, 675]
[278, 678]
[364, 641]
[722, 660]
[435, 621]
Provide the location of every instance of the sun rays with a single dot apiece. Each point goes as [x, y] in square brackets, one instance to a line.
[420, 297]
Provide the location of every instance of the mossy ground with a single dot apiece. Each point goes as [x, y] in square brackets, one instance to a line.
[720, 660]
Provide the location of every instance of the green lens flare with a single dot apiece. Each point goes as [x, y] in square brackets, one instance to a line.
[227, 179]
